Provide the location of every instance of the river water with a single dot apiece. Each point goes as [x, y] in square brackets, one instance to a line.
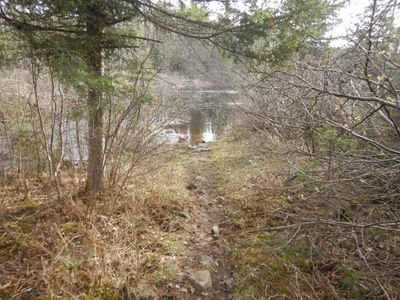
[210, 113]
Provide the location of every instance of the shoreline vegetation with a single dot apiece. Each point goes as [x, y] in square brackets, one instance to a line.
[137, 242]
[165, 150]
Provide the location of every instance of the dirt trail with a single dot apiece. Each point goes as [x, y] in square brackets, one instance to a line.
[207, 247]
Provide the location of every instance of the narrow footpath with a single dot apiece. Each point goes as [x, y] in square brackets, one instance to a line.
[207, 268]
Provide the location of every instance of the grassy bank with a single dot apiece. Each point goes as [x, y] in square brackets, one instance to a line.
[288, 233]
[275, 258]
[60, 249]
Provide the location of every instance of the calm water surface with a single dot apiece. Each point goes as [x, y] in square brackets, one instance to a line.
[209, 116]
[210, 113]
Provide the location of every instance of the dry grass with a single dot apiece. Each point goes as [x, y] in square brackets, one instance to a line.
[62, 250]
[53, 249]
[306, 262]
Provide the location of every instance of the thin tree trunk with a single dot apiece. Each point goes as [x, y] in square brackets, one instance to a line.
[95, 108]
[45, 143]
[78, 142]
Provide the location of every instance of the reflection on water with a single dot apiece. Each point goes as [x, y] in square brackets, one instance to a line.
[208, 119]
[202, 126]
[208, 135]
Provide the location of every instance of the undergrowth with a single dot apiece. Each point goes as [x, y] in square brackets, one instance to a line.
[266, 193]
[52, 249]
[68, 250]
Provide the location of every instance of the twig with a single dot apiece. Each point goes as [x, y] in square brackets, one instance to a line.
[380, 225]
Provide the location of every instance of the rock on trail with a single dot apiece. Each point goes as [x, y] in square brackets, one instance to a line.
[201, 280]
[206, 267]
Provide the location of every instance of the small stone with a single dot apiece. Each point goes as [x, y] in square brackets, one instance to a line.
[215, 231]
[227, 250]
[202, 148]
[188, 260]
[206, 261]
[168, 297]
[145, 292]
[220, 199]
[180, 276]
[201, 192]
[201, 280]
[396, 250]
[184, 214]
[209, 239]
[346, 244]
[200, 180]
[228, 283]
[124, 293]
[191, 187]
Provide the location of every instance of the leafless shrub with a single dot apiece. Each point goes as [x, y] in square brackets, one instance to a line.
[340, 109]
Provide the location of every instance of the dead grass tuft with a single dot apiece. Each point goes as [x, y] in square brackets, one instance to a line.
[62, 249]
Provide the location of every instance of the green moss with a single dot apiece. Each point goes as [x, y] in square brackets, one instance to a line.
[8, 291]
[104, 293]
[349, 283]
[15, 236]
[172, 244]
[329, 138]
[27, 224]
[164, 274]
[12, 244]
[71, 228]
[258, 267]
[381, 235]
[304, 179]
[296, 257]
[301, 253]
[26, 207]
[264, 237]
[248, 291]
[254, 207]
